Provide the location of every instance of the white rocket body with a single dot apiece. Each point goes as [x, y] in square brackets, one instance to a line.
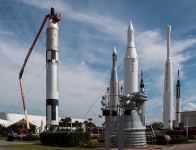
[114, 87]
[178, 103]
[130, 64]
[52, 79]
[168, 88]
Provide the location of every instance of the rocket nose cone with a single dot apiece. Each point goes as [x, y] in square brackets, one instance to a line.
[114, 51]
[130, 26]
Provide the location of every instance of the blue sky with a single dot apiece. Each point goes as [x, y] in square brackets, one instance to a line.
[88, 31]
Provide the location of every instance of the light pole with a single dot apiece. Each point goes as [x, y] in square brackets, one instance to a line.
[187, 123]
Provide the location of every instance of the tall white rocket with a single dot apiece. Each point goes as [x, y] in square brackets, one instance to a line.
[178, 102]
[114, 94]
[168, 88]
[130, 64]
[52, 80]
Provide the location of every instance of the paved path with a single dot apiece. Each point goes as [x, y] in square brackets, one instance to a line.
[3, 142]
[3, 148]
[184, 147]
[175, 147]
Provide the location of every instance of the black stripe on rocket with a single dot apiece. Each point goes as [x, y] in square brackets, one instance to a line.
[53, 103]
[52, 55]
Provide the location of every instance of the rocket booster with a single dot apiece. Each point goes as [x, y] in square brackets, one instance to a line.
[130, 64]
[168, 88]
[178, 101]
[114, 87]
[52, 79]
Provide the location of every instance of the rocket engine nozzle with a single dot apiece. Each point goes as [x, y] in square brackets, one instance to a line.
[52, 11]
[55, 17]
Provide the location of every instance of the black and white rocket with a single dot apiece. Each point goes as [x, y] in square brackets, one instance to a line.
[178, 102]
[52, 79]
[168, 88]
[142, 113]
[114, 94]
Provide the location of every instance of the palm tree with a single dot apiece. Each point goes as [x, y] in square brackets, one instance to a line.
[80, 124]
[66, 121]
[76, 124]
[90, 119]
[86, 124]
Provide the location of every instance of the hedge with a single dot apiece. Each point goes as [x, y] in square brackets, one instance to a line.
[174, 139]
[64, 138]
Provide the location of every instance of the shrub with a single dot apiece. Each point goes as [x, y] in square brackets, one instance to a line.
[90, 144]
[80, 130]
[160, 137]
[192, 137]
[161, 141]
[174, 139]
[64, 138]
[95, 136]
[30, 137]
[182, 140]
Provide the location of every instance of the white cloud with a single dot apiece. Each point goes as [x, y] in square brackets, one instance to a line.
[152, 51]
[6, 33]
[152, 120]
[189, 107]
[102, 23]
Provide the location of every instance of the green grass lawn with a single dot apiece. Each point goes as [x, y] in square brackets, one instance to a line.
[42, 147]
[36, 145]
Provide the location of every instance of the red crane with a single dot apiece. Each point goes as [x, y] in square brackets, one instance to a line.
[55, 18]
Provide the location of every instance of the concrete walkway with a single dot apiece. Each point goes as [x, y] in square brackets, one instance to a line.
[175, 147]
[2, 148]
[3, 142]
[184, 147]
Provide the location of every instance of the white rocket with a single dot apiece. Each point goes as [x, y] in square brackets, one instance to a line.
[168, 88]
[142, 115]
[178, 102]
[114, 94]
[52, 80]
[130, 64]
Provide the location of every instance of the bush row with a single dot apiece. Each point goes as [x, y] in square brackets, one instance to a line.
[64, 138]
[29, 137]
[91, 144]
[192, 137]
[174, 139]
[182, 132]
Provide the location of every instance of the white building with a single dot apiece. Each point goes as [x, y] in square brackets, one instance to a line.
[8, 119]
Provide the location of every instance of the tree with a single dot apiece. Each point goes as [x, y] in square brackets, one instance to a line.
[80, 124]
[66, 121]
[76, 124]
[86, 124]
[156, 125]
[2, 128]
[90, 119]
